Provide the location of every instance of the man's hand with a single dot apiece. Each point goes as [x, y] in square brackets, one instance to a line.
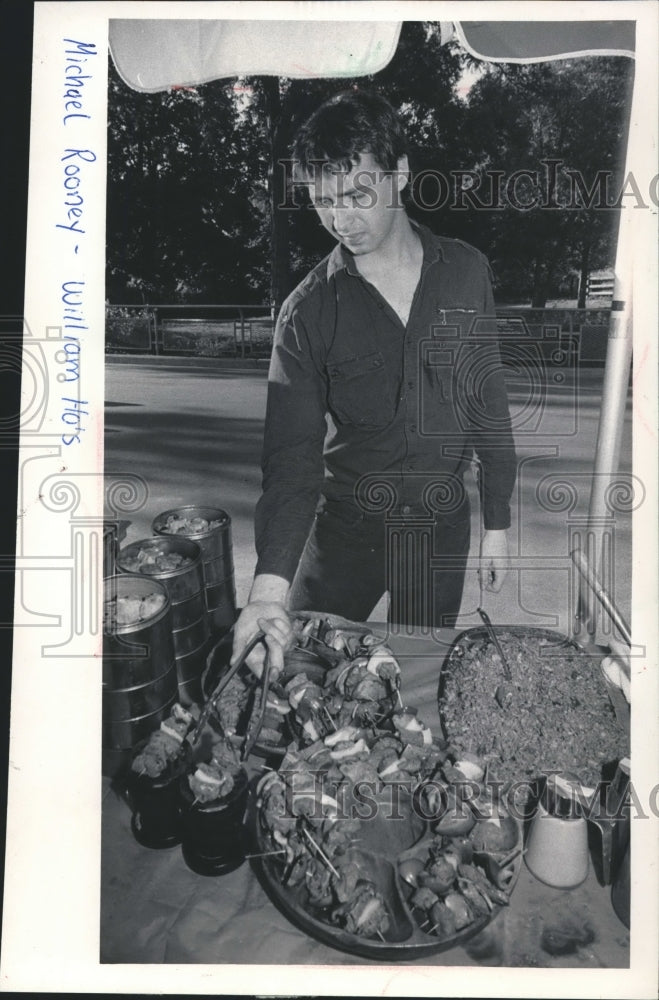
[265, 612]
[494, 560]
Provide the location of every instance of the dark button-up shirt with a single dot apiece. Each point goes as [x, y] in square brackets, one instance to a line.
[366, 411]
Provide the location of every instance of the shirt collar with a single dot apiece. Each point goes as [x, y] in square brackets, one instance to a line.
[341, 259]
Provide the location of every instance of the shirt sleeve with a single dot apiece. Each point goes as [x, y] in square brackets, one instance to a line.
[492, 433]
[292, 465]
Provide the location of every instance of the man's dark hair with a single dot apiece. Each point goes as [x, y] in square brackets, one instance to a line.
[347, 125]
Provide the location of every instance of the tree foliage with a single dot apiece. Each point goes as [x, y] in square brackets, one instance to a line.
[200, 208]
[565, 123]
[180, 221]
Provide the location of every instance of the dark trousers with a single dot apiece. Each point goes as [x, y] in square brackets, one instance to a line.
[351, 559]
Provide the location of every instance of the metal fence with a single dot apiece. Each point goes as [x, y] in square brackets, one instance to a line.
[560, 335]
[233, 330]
[242, 331]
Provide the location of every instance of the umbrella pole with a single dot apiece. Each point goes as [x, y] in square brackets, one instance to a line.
[597, 540]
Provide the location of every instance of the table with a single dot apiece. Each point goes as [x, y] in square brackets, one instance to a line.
[155, 910]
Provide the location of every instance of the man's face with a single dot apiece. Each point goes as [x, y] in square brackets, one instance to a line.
[359, 208]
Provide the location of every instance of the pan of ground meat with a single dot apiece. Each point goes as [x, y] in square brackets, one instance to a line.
[559, 718]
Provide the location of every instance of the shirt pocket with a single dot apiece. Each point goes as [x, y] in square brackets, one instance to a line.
[457, 319]
[360, 391]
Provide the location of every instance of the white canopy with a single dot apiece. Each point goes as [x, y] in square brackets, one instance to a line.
[152, 55]
[156, 54]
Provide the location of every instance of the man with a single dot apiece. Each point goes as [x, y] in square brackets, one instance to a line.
[385, 377]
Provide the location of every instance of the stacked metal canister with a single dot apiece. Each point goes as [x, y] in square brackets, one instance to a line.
[149, 663]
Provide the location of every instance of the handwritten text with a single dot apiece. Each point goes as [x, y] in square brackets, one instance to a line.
[74, 78]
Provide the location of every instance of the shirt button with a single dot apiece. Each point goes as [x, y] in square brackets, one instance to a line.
[410, 385]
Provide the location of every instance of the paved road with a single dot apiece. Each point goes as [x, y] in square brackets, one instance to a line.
[193, 433]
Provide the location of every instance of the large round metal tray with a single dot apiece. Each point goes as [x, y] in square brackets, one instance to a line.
[379, 857]
[382, 843]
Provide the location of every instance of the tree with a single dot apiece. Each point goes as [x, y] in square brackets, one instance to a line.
[564, 122]
[180, 224]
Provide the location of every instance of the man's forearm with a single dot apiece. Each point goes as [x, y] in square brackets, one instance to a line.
[294, 435]
[270, 589]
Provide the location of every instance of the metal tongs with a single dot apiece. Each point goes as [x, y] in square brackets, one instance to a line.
[504, 691]
[255, 725]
